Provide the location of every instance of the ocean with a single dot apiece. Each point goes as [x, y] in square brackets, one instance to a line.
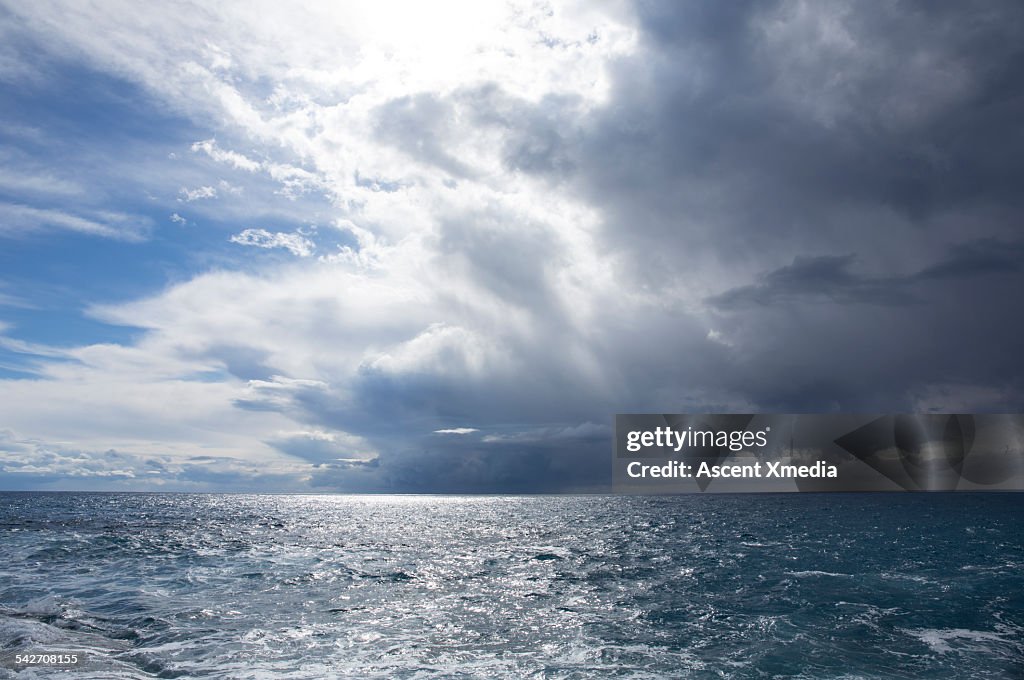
[696, 586]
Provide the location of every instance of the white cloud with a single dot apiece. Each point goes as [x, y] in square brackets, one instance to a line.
[37, 462]
[178, 219]
[330, 68]
[28, 348]
[197, 194]
[16, 218]
[551, 435]
[26, 181]
[296, 244]
[232, 158]
[226, 187]
[12, 300]
[457, 430]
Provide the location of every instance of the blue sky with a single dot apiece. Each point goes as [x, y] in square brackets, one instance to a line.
[399, 249]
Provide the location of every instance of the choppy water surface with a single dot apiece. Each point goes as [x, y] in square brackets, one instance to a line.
[230, 586]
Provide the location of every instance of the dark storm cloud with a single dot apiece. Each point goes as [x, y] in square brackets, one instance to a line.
[866, 159]
[826, 278]
[573, 460]
[827, 128]
[830, 279]
[978, 258]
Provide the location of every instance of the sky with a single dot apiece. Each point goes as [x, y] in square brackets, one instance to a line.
[435, 247]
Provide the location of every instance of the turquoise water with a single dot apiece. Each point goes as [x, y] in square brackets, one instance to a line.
[245, 586]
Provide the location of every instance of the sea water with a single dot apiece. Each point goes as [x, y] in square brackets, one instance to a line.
[698, 586]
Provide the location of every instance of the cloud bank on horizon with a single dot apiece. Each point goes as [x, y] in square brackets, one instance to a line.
[425, 248]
